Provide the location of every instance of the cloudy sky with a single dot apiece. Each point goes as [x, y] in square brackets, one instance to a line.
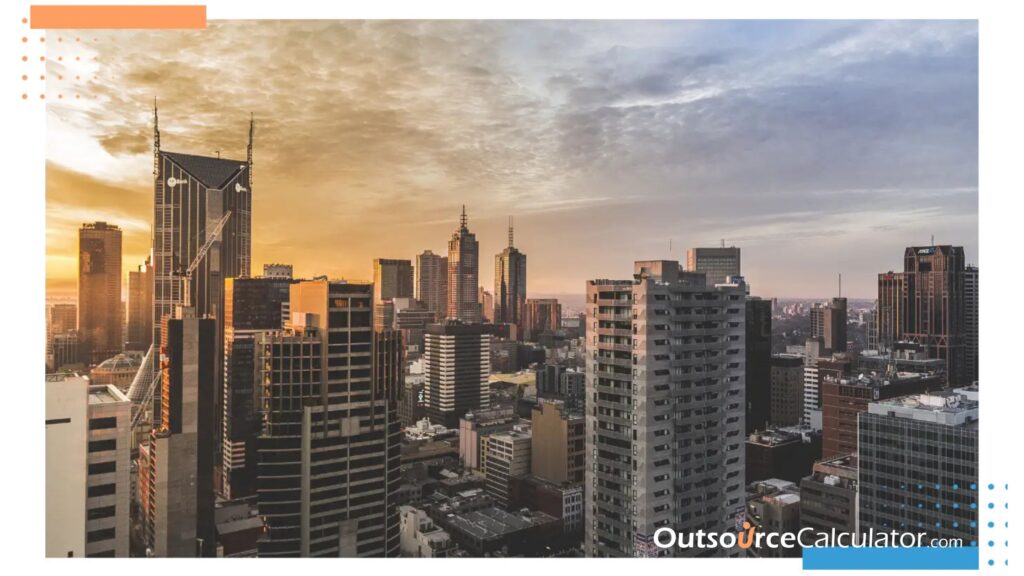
[817, 147]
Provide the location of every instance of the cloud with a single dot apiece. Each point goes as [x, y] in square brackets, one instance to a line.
[370, 135]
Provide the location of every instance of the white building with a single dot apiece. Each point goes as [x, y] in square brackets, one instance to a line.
[665, 435]
[421, 538]
[87, 468]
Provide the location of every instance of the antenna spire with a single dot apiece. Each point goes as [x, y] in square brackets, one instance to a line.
[510, 233]
[156, 140]
[840, 284]
[463, 220]
[252, 130]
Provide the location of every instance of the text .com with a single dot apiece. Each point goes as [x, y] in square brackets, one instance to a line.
[806, 538]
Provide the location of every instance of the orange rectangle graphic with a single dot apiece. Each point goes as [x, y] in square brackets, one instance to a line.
[117, 17]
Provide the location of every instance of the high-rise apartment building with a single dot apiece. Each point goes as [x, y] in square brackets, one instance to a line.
[971, 296]
[140, 308]
[543, 315]
[431, 280]
[99, 292]
[717, 263]
[328, 453]
[179, 519]
[787, 390]
[464, 274]
[456, 366]
[828, 322]
[559, 443]
[919, 465]
[251, 306]
[510, 284]
[87, 468]
[665, 431]
[758, 364]
[925, 305]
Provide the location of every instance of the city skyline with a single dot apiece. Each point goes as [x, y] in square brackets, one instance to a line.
[791, 140]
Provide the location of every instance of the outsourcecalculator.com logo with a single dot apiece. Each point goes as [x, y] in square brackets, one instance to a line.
[749, 536]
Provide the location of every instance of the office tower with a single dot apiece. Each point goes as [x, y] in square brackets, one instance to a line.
[384, 316]
[758, 363]
[65, 349]
[844, 397]
[558, 451]
[99, 292]
[486, 300]
[971, 296]
[508, 457]
[558, 382]
[814, 348]
[140, 308]
[786, 453]
[543, 315]
[192, 194]
[717, 263]
[87, 468]
[456, 365]
[391, 279]
[871, 328]
[179, 521]
[510, 284]
[66, 465]
[463, 274]
[828, 497]
[411, 318]
[328, 452]
[925, 305]
[787, 390]
[431, 273]
[477, 425]
[251, 306]
[60, 319]
[665, 367]
[828, 322]
[277, 271]
[919, 465]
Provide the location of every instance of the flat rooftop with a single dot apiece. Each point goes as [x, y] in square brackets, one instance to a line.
[493, 522]
[106, 395]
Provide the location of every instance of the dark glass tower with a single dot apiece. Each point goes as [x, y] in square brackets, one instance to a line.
[99, 292]
[464, 274]
[510, 285]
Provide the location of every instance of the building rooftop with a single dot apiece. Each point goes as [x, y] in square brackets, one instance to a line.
[211, 172]
[121, 362]
[493, 522]
[106, 394]
[950, 407]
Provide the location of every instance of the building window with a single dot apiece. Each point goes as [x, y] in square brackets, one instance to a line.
[102, 445]
[103, 468]
[103, 423]
[104, 512]
[102, 490]
[99, 535]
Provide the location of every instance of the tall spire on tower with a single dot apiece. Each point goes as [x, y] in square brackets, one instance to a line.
[510, 232]
[252, 129]
[463, 220]
[156, 140]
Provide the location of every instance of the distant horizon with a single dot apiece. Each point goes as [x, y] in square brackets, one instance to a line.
[817, 147]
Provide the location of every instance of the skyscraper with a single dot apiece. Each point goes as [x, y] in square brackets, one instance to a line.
[919, 465]
[542, 315]
[140, 308]
[787, 390]
[828, 322]
[60, 319]
[179, 520]
[431, 274]
[759, 363]
[971, 296]
[717, 263]
[510, 284]
[925, 305]
[486, 300]
[328, 452]
[665, 433]
[192, 195]
[456, 365]
[251, 306]
[99, 292]
[464, 274]
[391, 279]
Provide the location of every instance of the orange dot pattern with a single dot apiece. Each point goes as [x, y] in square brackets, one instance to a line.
[60, 58]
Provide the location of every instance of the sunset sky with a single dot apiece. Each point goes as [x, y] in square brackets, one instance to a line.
[819, 147]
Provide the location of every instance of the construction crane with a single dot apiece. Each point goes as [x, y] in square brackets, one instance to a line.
[186, 286]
